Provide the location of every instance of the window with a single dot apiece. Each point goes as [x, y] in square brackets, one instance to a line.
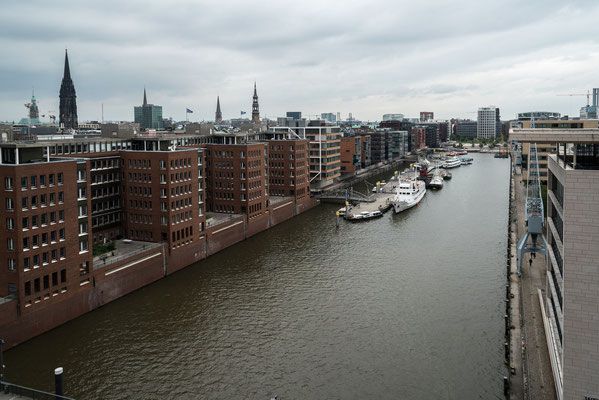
[25, 203]
[44, 238]
[81, 193]
[53, 236]
[42, 180]
[24, 183]
[43, 199]
[25, 243]
[36, 261]
[52, 198]
[33, 182]
[44, 219]
[10, 224]
[33, 201]
[8, 183]
[63, 253]
[9, 204]
[54, 278]
[36, 285]
[53, 217]
[11, 264]
[60, 197]
[26, 264]
[28, 288]
[51, 179]
[45, 258]
[11, 244]
[61, 234]
[54, 255]
[34, 221]
[59, 176]
[61, 215]
[63, 275]
[83, 245]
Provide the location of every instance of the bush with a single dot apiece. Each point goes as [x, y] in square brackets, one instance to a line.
[100, 249]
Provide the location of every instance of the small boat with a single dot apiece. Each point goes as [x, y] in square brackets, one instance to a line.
[463, 153]
[437, 180]
[452, 162]
[364, 215]
[408, 194]
[447, 176]
[465, 161]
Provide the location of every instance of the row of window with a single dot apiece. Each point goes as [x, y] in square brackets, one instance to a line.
[34, 240]
[106, 191]
[42, 200]
[43, 283]
[140, 205]
[104, 178]
[36, 220]
[142, 190]
[139, 177]
[104, 164]
[140, 219]
[33, 181]
[106, 219]
[186, 202]
[47, 256]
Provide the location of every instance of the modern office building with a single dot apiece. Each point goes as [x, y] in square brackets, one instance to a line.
[571, 297]
[467, 129]
[68, 98]
[351, 154]
[538, 115]
[545, 149]
[148, 116]
[294, 114]
[488, 123]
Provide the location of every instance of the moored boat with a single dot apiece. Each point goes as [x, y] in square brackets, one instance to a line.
[408, 194]
[452, 162]
[364, 215]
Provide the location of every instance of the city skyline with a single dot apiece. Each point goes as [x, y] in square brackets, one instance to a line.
[368, 60]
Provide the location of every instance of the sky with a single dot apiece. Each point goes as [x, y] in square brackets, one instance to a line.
[365, 57]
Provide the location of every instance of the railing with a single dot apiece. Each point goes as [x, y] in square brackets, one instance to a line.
[558, 291]
[8, 298]
[29, 393]
[105, 260]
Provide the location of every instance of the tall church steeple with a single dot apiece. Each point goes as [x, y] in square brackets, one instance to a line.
[68, 98]
[255, 107]
[218, 117]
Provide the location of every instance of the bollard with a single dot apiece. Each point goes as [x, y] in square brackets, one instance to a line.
[506, 385]
[337, 218]
[507, 324]
[58, 382]
[507, 305]
[506, 348]
[507, 291]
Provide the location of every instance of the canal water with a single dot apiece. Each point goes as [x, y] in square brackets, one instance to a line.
[407, 306]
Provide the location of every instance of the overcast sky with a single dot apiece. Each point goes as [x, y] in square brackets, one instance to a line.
[364, 57]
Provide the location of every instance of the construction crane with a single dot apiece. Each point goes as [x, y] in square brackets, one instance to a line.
[587, 94]
[534, 212]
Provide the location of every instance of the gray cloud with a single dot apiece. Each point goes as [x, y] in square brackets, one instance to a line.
[368, 58]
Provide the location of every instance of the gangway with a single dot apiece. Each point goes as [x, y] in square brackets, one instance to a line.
[534, 212]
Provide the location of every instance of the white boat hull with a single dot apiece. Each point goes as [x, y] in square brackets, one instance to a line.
[399, 206]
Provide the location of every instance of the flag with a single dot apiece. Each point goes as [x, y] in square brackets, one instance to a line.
[187, 110]
[243, 112]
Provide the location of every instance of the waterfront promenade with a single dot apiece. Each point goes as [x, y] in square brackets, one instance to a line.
[535, 380]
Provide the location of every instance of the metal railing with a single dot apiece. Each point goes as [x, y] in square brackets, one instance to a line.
[104, 261]
[10, 388]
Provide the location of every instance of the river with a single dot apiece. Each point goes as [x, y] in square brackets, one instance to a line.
[406, 306]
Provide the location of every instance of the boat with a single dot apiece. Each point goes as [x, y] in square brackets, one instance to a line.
[408, 194]
[465, 161]
[364, 215]
[452, 162]
[447, 176]
[462, 153]
[437, 180]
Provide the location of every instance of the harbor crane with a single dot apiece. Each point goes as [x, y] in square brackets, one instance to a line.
[534, 212]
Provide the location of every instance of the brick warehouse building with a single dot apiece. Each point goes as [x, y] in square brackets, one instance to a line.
[145, 190]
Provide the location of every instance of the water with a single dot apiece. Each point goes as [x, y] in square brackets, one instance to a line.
[406, 306]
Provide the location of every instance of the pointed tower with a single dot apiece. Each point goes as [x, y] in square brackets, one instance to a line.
[145, 103]
[34, 112]
[68, 98]
[255, 107]
[218, 117]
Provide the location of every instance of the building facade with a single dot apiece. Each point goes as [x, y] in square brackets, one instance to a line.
[488, 123]
[571, 299]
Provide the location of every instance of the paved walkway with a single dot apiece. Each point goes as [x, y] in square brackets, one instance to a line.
[538, 373]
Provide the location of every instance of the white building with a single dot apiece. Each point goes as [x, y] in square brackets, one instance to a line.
[487, 123]
[393, 117]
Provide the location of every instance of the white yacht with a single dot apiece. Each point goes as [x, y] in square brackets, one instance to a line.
[408, 194]
[452, 162]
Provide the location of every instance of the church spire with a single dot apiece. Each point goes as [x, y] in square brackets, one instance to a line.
[218, 118]
[68, 98]
[67, 70]
[145, 98]
[255, 107]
